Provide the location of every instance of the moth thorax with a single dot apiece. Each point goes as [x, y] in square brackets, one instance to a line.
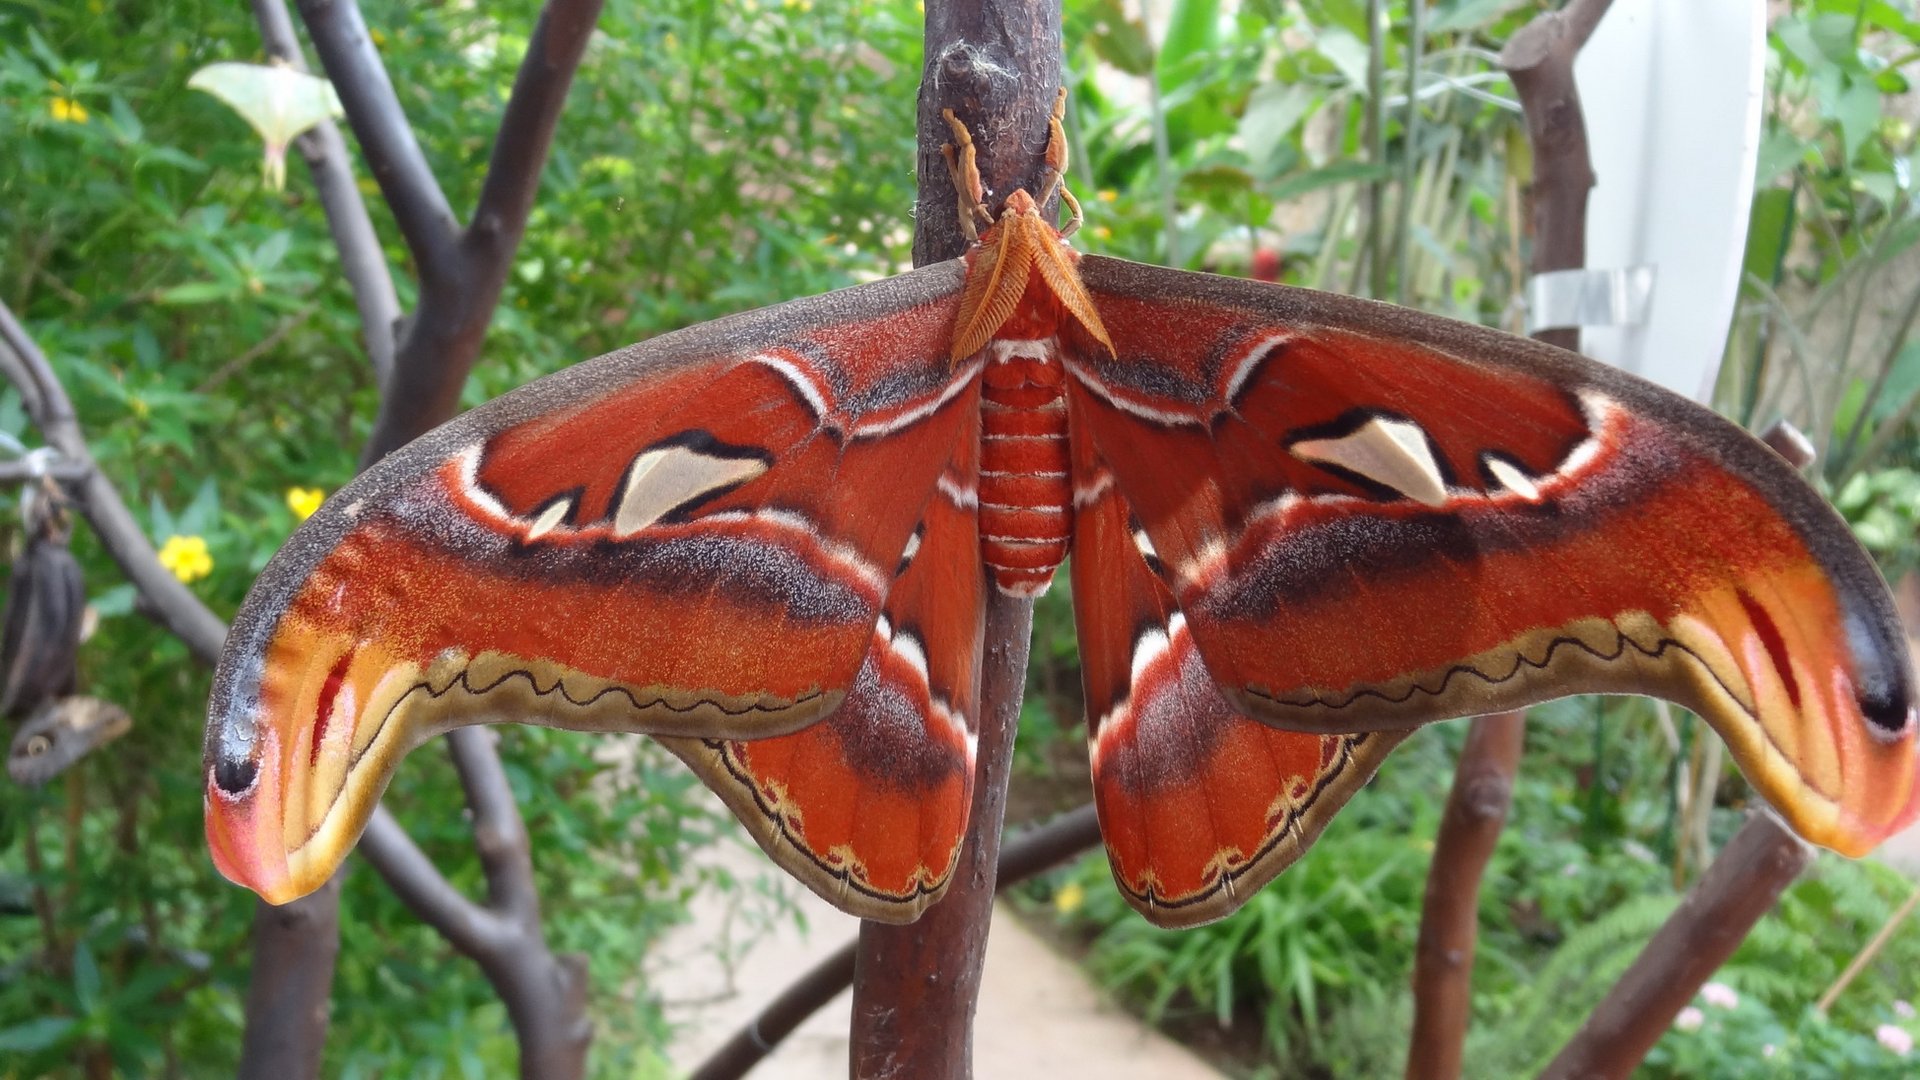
[1026, 481]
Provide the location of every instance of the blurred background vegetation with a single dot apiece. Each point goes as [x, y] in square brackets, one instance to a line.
[721, 156]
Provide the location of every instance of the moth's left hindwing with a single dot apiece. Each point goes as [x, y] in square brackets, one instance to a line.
[1372, 518]
[678, 538]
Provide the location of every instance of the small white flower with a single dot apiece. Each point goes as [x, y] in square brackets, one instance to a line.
[1689, 1019]
[1769, 1050]
[1720, 995]
[1903, 1010]
[1895, 1039]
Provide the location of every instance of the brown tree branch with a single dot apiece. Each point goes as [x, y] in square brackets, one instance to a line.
[916, 987]
[362, 261]
[169, 602]
[380, 124]
[995, 63]
[460, 287]
[294, 948]
[1539, 59]
[1739, 889]
[1025, 855]
[1450, 913]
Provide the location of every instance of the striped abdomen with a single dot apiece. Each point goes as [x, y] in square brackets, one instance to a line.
[1026, 488]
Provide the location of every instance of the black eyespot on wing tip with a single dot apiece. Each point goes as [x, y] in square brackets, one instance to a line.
[1887, 709]
[235, 776]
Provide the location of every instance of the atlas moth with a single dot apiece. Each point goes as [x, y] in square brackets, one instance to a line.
[1300, 524]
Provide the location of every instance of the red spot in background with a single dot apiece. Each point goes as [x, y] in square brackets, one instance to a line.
[1266, 265]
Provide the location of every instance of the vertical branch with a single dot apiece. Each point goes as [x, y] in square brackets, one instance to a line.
[1450, 913]
[1376, 135]
[1031, 852]
[996, 63]
[1540, 61]
[1739, 888]
[916, 987]
[362, 262]
[291, 985]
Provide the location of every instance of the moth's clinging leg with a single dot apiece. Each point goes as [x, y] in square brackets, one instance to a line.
[965, 170]
[1056, 171]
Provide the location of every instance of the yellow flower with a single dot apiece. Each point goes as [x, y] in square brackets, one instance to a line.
[304, 501]
[1069, 898]
[68, 111]
[1107, 195]
[186, 557]
[1103, 232]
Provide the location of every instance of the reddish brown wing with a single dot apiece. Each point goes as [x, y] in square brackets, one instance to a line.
[1372, 519]
[676, 538]
[1199, 805]
[868, 806]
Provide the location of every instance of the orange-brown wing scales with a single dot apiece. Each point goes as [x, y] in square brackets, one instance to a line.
[869, 806]
[1373, 519]
[1199, 805]
[665, 540]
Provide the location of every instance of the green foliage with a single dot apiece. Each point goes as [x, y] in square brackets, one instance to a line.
[711, 158]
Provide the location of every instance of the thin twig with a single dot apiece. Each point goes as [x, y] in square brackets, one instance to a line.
[1376, 136]
[167, 600]
[1410, 143]
[1865, 956]
[258, 349]
[362, 262]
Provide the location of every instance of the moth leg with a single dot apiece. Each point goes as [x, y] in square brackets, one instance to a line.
[1054, 177]
[965, 170]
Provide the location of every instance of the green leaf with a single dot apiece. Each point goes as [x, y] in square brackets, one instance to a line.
[1857, 111]
[1769, 233]
[1193, 29]
[1903, 382]
[1346, 52]
[203, 513]
[1780, 151]
[195, 292]
[1118, 39]
[1341, 172]
[115, 601]
[1273, 111]
[1454, 15]
[86, 979]
[36, 1035]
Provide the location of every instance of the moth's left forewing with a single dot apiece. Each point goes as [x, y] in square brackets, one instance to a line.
[674, 538]
[1373, 519]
